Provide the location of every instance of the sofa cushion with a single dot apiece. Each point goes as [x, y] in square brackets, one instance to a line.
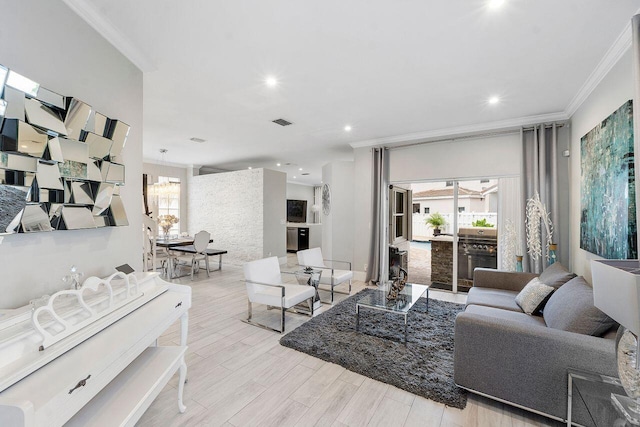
[534, 296]
[571, 308]
[507, 315]
[489, 297]
[556, 275]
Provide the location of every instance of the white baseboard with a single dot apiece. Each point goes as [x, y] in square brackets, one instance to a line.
[359, 276]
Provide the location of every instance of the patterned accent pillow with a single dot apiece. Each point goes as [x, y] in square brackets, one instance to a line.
[534, 296]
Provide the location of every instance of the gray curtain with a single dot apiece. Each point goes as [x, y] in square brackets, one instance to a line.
[378, 252]
[540, 174]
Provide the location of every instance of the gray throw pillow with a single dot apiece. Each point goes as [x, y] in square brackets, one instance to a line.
[571, 308]
[556, 275]
[533, 296]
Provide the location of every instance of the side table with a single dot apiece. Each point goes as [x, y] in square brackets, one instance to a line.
[310, 277]
[589, 399]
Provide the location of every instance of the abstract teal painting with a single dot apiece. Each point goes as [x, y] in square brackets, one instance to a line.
[607, 183]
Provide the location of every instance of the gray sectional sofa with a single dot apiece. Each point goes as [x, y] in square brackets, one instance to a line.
[522, 359]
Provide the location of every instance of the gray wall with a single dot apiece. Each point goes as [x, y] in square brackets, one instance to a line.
[614, 90]
[45, 41]
[153, 171]
[275, 214]
[302, 192]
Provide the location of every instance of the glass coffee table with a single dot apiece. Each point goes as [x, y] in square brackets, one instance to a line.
[377, 300]
[593, 393]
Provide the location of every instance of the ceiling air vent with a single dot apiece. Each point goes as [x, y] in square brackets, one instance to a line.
[305, 174]
[282, 122]
[198, 140]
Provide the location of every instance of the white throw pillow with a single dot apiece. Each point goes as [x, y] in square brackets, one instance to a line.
[533, 297]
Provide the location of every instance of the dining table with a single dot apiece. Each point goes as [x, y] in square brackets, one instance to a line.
[169, 243]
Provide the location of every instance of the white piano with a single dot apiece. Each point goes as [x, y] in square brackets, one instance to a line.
[89, 357]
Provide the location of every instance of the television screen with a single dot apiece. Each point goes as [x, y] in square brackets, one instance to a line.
[296, 211]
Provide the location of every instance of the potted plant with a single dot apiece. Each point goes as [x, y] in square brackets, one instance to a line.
[436, 220]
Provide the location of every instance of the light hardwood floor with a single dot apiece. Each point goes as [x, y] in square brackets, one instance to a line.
[239, 375]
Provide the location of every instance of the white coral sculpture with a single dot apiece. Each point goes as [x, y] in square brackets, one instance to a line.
[509, 246]
[537, 214]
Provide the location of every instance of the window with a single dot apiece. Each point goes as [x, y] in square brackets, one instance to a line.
[426, 210]
[167, 199]
[416, 208]
[461, 208]
[448, 184]
[399, 199]
[484, 181]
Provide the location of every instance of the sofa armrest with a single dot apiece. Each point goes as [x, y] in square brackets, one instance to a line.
[525, 364]
[507, 280]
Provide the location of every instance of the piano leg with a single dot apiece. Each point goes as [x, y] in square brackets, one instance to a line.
[184, 328]
[183, 378]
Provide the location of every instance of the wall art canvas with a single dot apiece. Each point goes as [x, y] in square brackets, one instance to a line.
[607, 183]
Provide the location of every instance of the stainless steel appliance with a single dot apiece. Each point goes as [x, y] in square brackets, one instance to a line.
[477, 247]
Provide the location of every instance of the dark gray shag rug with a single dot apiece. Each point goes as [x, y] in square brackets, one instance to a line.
[423, 367]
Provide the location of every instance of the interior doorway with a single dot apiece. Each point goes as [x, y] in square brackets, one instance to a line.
[454, 227]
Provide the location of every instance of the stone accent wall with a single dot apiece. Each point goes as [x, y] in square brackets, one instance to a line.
[230, 207]
[442, 262]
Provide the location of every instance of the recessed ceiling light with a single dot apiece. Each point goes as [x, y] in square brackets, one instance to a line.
[249, 167]
[494, 100]
[271, 81]
[277, 164]
[495, 4]
[294, 177]
[299, 169]
[347, 128]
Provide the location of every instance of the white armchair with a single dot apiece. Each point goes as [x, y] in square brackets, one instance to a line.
[264, 286]
[330, 275]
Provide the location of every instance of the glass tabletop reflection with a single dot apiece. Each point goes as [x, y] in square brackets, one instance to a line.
[406, 299]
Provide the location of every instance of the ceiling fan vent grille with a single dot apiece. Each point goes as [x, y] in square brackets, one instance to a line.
[282, 122]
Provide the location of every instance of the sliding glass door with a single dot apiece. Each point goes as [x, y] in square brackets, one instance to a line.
[454, 230]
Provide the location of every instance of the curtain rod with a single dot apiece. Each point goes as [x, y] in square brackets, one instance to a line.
[477, 135]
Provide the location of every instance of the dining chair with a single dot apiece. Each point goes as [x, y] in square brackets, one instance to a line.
[197, 251]
[264, 286]
[313, 258]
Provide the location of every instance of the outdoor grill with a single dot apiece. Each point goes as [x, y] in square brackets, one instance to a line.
[477, 247]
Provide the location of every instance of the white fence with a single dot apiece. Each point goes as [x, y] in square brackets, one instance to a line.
[422, 231]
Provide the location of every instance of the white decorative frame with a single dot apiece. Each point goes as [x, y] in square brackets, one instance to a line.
[116, 299]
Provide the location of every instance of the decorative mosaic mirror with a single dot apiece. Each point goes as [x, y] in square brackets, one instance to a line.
[60, 164]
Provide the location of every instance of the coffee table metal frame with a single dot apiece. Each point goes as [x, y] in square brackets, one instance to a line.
[378, 301]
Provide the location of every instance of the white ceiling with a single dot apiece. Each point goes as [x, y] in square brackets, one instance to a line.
[387, 68]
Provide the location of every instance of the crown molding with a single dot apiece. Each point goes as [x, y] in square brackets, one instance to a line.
[106, 29]
[458, 131]
[620, 46]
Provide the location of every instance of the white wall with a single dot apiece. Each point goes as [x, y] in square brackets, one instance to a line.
[614, 90]
[338, 226]
[45, 41]
[243, 210]
[302, 192]
[465, 158]
[275, 214]
[153, 171]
